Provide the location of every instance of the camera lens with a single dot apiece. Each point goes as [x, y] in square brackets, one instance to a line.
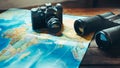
[54, 25]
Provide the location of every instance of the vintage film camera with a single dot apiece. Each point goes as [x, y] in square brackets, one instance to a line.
[47, 17]
[107, 28]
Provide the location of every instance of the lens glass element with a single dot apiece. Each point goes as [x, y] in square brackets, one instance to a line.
[54, 25]
[103, 38]
[81, 30]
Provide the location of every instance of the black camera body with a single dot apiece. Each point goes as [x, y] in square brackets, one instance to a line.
[47, 17]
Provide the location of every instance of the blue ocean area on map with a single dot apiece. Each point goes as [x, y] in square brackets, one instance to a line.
[8, 24]
[3, 43]
[21, 47]
[43, 55]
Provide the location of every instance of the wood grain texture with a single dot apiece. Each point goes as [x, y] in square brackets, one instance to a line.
[90, 11]
[97, 58]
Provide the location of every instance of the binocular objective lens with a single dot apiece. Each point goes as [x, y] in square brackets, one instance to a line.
[81, 30]
[103, 38]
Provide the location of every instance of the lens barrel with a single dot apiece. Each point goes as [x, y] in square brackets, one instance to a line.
[108, 38]
[91, 24]
[54, 25]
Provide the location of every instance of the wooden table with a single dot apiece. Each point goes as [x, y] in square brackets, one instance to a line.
[95, 58]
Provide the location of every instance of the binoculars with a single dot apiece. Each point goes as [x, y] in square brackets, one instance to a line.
[106, 27]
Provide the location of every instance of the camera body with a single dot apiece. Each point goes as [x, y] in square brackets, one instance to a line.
[47, 17]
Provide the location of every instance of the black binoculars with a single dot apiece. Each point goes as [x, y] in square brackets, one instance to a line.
[106, 26]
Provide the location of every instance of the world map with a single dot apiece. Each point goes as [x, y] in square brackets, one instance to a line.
[21, 47]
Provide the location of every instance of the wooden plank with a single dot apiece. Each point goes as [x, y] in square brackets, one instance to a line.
[109, 66]
[94, 56]
[108, 3]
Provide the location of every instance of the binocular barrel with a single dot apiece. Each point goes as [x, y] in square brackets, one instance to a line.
[93, 24]
[108, 38]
